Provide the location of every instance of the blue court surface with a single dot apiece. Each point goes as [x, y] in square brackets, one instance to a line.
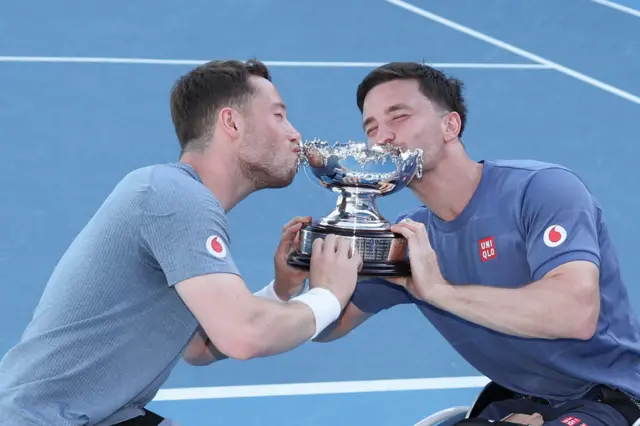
[84, 99]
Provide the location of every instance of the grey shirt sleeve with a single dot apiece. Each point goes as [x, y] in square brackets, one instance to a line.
[185, 229]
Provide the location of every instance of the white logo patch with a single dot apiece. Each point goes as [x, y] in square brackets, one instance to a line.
[554, 235]
[216, 247]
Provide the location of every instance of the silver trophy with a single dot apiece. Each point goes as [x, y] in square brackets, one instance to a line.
[359, 174]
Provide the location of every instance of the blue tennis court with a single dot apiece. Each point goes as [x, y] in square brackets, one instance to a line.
[84, 99]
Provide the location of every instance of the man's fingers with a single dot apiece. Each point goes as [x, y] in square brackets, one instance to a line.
[356, 257]
[297, 220]
[288, 238]
[330, 244]
[417, 229]
[291, 231]
[316, 248]
[344, 246]
[415, 245]
[403, 230]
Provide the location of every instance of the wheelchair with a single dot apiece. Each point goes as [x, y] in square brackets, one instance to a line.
[492, 392]
[456, 415]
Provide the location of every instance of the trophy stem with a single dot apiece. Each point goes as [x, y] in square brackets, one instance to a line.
[356, 208]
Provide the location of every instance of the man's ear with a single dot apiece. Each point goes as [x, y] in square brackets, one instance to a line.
[230, 122]
[452, 125]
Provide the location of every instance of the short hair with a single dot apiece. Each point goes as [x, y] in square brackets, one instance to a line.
[198, 96]
[444, 91]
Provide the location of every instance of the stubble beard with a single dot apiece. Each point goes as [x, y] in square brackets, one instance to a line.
[263, 171]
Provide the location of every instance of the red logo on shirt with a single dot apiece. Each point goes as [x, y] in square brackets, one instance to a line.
[554, 235]
[487, 249]
[216, 247]
[571, 421]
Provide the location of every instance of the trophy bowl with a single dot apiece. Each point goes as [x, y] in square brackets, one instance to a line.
[359, 174]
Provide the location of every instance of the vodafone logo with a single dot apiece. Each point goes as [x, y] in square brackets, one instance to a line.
[555, 235]
[216, 247]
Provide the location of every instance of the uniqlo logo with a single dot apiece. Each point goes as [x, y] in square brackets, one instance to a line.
[571, 421]
[487, 249]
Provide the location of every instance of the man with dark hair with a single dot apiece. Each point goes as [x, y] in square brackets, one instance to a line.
[151, 277]
[511, 262]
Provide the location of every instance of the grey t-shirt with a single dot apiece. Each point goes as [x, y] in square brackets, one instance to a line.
[110, 327]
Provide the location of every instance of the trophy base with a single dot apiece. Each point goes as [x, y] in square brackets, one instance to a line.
[369, 268]
[382, 252]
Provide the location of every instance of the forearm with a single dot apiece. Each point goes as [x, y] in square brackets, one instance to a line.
[273, 331]
[202, 351]
[272, 327]
[295, 334]
[543, 309]
[280, 327]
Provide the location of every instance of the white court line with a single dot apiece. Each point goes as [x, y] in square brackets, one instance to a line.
[516, 50]
[619, 7]
[321, 388]
[313, 64]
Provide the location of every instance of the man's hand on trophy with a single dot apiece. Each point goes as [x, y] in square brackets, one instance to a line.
[289, 281]
[335, 266]
[426, 282]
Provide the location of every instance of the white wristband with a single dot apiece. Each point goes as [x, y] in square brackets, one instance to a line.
[268, 292]
[324, 305]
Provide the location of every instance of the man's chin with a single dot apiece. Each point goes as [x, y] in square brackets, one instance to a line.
[290, 178]
[277, 182]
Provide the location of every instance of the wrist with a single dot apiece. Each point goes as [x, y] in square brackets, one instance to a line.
[324, 305]
[269, 292]
[286, 290]
[440, 294]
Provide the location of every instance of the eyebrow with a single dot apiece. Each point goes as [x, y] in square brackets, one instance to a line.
[280, 105]
[389, 110]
